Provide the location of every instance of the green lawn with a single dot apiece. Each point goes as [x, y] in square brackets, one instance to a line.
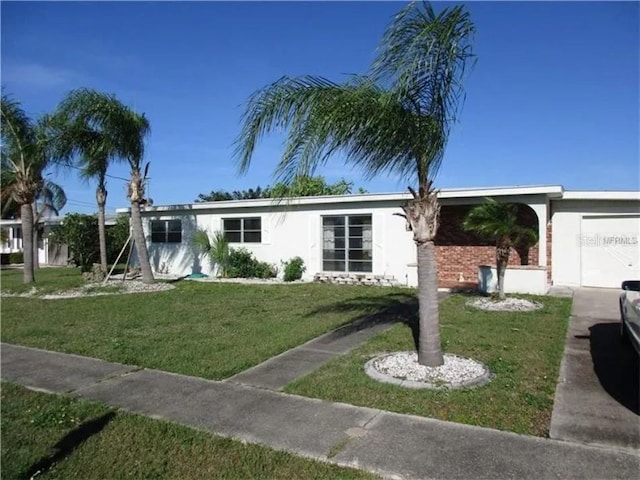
[214, 330]
[209, 330]
[68, 438]
[523, 350]
[48, 280]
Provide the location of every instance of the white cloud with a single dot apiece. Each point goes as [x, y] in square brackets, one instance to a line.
[37, 75]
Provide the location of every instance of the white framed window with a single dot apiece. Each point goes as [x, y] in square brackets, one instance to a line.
[242, 230]
[166, 231]
[347, 243]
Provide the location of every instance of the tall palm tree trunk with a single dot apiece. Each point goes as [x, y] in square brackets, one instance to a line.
[502, 260]
[136, 196]
[101, 199]
[26, 214]
[422, 215]
[429, 348]
[36, 257]
[141, 243]
[36, 219]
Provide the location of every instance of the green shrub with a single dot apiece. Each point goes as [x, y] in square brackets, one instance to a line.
[242, 264]
[116, 236]
[80, 233]
[265, 270]
[293, 269]
[16, 257]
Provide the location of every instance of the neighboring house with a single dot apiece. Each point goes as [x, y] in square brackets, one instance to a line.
[48, 252]
[585, 238]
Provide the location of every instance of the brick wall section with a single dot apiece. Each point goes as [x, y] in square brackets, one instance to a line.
[460, 253]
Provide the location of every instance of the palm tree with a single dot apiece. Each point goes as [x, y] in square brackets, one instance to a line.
[216, 249]
[395, 120]
[27, 152]
[101, 129]
[95, 148]
[95, 166]
[499, 221]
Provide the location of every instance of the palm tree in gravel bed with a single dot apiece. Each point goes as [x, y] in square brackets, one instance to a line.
[499, 221]
[395, 120]
[101, 129]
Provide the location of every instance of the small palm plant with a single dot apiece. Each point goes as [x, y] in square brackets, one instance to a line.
[499, 221]
[216, 248]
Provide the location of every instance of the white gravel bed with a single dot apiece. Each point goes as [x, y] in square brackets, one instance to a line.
[247, 281]
[402, 368]
[93, 290]
[506, 305]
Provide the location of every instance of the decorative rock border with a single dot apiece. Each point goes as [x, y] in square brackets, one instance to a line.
[93, 290]
[356, 279]
[484, 377]
[506, 305]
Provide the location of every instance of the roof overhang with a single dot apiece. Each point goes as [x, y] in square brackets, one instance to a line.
[550, 191]
[601, 195]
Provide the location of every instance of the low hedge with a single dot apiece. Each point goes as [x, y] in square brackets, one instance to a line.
[16, 257]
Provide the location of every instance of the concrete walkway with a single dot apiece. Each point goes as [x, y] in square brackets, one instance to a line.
[282, 369]
[597, 397]
[398, 446]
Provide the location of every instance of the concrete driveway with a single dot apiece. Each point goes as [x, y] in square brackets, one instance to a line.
[597, 398]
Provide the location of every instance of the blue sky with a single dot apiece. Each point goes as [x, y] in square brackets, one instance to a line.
[552, 99]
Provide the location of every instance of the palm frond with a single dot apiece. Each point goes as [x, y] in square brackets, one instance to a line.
[52, 196]
[18, 137]
[216, 249]
[26, 153]
[423, 55]
[427, 52]
[375, 131]
[99, 128]
[496, 221]
[396, 120]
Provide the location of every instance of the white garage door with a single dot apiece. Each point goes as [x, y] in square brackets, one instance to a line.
[610, 250]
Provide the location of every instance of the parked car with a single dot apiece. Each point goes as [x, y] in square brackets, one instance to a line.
[630, 313]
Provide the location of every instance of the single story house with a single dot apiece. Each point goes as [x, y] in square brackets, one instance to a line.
[586, 238]
[48, 253]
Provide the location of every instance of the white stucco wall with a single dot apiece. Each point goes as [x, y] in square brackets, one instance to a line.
[516, 280]
[178, 258]
[567, 215]
[290, 230]
[287, 231]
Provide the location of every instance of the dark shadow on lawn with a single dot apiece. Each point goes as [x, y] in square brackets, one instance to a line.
[398, 311]
[386, 310]
[358, 304]
[69, 443]
[616, 365]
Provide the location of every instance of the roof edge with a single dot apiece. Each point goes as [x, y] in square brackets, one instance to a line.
[552, 191]
[601, 195]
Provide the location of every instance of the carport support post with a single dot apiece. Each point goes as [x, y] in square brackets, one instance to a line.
[541, 210]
